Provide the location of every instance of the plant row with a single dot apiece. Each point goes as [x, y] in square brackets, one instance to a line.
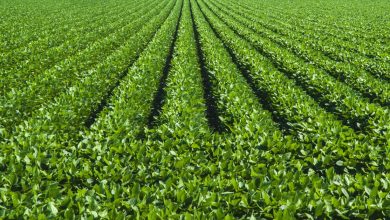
[361, 28]
[20, 104]
[21, 66]
[47, 141]
[336, 97]
[23, 24]
[329, 44]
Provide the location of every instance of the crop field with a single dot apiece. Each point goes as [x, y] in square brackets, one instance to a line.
[194, 109]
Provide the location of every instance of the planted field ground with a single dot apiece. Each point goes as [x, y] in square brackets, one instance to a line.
[204, 109]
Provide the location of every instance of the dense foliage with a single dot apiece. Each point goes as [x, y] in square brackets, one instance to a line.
[204, 109]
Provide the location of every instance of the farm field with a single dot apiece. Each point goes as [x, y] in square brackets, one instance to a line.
[194, 109]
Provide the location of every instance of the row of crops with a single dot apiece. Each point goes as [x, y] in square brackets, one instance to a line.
[194, 109]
